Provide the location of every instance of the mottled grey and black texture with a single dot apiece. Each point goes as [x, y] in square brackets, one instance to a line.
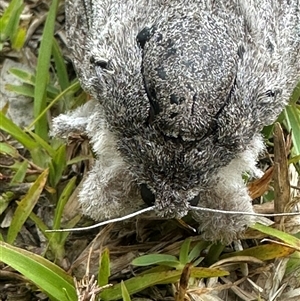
[181, 91]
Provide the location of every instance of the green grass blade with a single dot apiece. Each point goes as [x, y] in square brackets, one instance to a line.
[10, 20]
[214, 253]
[294, 264]
[60, 65]
[43, 144]
[28, 78]
[19, 38]
[42, 72]
[57, 240]
[139, 283]
[160, 259]
[7, 149]
[25, 206]
[40, 224]
[296, 94]
[294, 160]
[23, 75]
[125, 294]
[64, 197]
[285, 237]
[25, 90]
[5, 199]
[57, 165]
[14, 20]
[79, 158]
[184, 251]
[196, 251]
[71, 224]
[292, 119]
[104, 268]
[20, 175]
[263, 252]
[8, 126]
[50, 278]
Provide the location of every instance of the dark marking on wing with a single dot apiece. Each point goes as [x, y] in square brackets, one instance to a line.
[147, 195]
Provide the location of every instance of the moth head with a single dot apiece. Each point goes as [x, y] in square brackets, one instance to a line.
[167, 201]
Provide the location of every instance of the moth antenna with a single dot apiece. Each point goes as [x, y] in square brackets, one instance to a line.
[118, 219]
[128, 216]
[243, 212]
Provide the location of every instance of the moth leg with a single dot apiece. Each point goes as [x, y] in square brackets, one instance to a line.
[74, 121]
[227, 191]
[109, 191]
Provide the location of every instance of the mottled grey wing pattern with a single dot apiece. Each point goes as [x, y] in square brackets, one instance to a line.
[189, 67]
[79, 17]
[183, 89]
